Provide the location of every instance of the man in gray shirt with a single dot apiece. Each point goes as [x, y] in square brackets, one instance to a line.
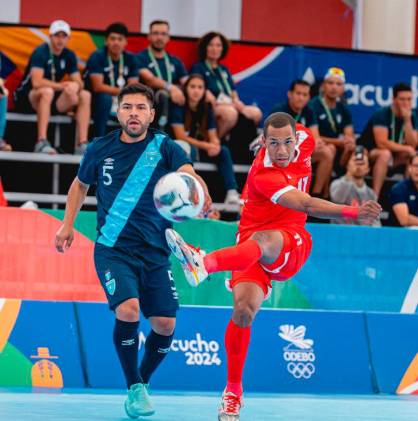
[351, 189]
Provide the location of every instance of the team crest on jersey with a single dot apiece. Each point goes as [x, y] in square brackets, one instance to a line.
[301, 136]
[339, 118]
[110, 283]
[109, 161]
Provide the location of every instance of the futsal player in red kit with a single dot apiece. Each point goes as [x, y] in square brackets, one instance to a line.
[272, 242]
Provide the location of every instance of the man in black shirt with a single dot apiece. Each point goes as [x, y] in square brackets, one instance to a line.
[43, 89]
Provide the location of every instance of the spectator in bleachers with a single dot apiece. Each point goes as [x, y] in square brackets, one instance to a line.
[161, 71]
[221, 92]
[334, 118]
[195, 123]
[404, 196]
[108, 70]
[4, 146]
[52, 83]
[351, 189]
[391, 134]
[298, 97]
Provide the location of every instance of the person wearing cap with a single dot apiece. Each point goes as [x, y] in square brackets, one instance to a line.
[162, 72]
[334, 118]
[391, 134]
[52, 83]
[108, 70]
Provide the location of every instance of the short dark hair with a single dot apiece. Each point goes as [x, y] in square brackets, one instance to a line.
[299, 82]
[158, 22]
[137, 88]
[279, 120]
[401, 87]
[204, 41]
[116, 28]
[411, 158]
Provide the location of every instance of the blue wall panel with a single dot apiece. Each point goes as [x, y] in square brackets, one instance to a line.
[325, 352]
[394, 345]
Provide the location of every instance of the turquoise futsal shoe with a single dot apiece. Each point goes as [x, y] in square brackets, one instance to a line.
[138, 402]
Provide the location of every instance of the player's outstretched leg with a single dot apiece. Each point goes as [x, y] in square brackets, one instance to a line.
[138, 402]
[197, 265]
[191, 259]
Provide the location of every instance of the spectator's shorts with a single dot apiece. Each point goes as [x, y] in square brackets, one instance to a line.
[122, 277]
[296, 249]
[23, 105]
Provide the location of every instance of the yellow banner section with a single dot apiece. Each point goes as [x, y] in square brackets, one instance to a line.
[9, 310]
[18, 43]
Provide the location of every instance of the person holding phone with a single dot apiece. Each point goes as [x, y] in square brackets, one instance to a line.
[351, 189]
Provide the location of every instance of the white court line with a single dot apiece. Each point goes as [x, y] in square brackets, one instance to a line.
[410, 302]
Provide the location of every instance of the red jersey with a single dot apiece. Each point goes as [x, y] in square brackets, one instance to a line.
[266, 183]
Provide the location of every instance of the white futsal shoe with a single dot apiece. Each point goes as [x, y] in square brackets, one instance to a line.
[230, 407]
[191, 258]
[138, 402]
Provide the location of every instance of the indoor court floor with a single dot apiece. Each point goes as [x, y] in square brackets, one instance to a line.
[105, 405]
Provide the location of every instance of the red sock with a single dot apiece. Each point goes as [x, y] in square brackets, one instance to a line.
[237, 340]
[238, 257]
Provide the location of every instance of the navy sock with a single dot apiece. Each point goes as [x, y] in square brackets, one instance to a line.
[125, 338]
[156, 348]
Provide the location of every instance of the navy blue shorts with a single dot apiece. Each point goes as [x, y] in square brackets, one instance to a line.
[124, 276]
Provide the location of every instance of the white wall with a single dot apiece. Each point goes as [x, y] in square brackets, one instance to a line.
[388, 25]
[194, 17]
[10, 11]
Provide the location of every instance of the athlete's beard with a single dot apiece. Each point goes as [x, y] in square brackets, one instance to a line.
[157, 48]
[136, 132]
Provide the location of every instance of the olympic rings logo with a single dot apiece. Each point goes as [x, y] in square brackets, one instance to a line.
[299, 370]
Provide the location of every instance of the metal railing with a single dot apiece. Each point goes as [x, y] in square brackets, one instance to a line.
[56, 160]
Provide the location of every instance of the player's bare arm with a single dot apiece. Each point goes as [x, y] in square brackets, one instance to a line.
[405, 218]
[190, 170]
[303, 202]
[76, 196]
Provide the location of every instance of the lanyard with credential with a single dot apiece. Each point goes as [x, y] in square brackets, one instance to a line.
[329, 116]
[221, 86]
[53, 69]
[392, 129]
[121, 81]
[157, 67]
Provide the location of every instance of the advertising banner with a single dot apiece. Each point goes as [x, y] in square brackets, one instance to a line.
[394, 350]
[308, 352]
[369, 77]
[290, 351]
[39, 345]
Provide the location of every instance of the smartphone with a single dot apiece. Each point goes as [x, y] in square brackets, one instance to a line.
[359, 153]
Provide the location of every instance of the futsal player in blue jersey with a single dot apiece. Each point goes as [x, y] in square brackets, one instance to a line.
[131, 254]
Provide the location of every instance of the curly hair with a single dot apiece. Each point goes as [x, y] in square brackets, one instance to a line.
[204, 41]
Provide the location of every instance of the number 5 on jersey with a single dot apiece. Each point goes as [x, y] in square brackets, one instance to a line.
[107, 178]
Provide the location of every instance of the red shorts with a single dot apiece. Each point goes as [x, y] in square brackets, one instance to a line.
[296, 249]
